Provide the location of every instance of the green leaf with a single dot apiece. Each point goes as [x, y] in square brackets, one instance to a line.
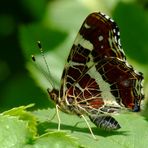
[55, 140]
[15, 130]
[24, 115]
[18, 111]
[18, 130]
[133, 133]
[14, 133]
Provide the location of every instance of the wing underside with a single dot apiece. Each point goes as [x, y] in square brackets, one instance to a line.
[96, 77]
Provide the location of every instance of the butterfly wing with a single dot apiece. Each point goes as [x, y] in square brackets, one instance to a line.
[96, 78]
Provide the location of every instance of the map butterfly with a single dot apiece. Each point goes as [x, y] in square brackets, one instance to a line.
[97, 80]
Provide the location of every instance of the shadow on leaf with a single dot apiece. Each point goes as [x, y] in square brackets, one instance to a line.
[44, 127]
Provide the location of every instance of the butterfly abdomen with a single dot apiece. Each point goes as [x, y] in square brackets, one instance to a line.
[105, 122]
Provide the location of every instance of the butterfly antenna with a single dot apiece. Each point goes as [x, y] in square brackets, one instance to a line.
[48, 73]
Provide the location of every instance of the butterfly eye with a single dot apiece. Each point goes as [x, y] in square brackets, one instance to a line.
[53, 94]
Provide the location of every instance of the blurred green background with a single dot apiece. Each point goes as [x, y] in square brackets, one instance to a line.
[55, 23]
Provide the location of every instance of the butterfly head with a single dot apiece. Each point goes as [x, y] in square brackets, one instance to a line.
[54, 94]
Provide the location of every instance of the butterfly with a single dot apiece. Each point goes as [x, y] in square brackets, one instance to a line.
[97, 80]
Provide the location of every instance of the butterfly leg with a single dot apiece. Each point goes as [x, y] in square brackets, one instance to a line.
[88, 126]
[59, 121]
[105, 122]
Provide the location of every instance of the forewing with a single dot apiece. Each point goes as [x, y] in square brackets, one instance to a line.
[97, 39]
